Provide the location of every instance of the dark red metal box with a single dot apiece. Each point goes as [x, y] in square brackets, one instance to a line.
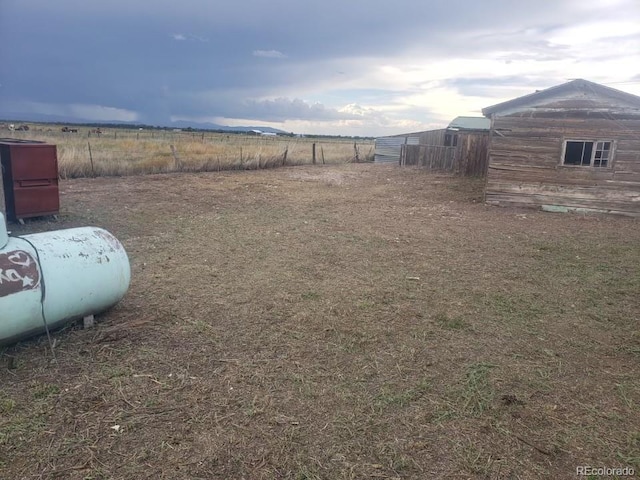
[30, 178]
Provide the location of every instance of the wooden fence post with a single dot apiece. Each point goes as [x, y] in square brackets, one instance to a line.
[313, 153]
[176, 159]
[356, 152]
[93, 173]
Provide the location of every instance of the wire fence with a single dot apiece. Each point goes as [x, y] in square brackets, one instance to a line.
[84, 152]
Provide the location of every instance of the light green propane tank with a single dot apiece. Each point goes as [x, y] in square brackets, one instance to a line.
[56, 277]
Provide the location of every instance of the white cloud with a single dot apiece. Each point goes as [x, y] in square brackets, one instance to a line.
[181, 37]
[268, 54]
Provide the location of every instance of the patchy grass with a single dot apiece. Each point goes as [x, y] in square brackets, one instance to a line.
[336, 322]
[477, 393]
[392, 397]
[42, 391]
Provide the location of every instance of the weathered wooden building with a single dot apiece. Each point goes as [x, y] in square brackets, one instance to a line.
[575, 146]
[460, 148]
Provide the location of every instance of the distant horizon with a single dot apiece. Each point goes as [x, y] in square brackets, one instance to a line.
[133, 125]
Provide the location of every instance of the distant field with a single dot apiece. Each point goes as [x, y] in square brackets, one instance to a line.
[128, 152]
[344, 322]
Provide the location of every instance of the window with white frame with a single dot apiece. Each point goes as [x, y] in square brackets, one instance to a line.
[588, 153]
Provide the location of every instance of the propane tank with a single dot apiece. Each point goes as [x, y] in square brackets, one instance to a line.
[49, 279]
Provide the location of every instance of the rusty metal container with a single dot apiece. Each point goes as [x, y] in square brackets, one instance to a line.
[30, 178]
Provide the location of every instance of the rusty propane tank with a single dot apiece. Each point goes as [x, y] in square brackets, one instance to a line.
[49, 279]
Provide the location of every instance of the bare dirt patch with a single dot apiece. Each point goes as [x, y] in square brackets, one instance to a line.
[355, 321]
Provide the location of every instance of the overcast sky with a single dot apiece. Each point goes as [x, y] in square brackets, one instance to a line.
[348, 67]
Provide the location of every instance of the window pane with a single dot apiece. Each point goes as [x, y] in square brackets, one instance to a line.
[601, 157]
[586, 156]
[573, 153]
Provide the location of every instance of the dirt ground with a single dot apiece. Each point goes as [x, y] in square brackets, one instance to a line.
[343, 322]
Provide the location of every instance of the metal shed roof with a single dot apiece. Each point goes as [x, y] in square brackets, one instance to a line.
[470, 123]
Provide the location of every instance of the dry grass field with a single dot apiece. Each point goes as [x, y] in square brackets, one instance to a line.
[335, 322]
[117, 151]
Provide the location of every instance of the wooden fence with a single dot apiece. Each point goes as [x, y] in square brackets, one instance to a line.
[468, 157]
[433, 157]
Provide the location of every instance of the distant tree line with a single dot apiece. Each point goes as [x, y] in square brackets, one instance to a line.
[138, 126]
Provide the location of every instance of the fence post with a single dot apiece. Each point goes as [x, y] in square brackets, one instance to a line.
[356, 152]
[93, 173]
[176, 159]
[284, 156]
[322, 153]
[313, 153]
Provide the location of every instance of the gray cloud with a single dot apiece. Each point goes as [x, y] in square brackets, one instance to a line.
[306, 62]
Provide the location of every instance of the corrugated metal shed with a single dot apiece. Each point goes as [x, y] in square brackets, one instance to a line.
[470, 123]
[387, 149]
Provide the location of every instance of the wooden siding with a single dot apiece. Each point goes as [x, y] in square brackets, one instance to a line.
[432, 137]
[525, 164]
[472, 152]
[468, 158]
[432, 157]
